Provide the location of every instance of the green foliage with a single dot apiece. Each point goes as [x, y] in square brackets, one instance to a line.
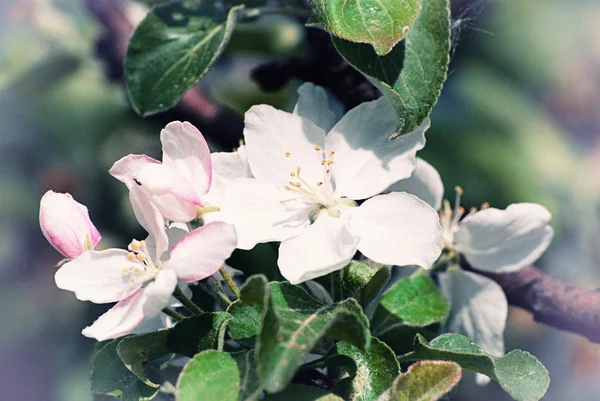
[424, 381]
[198, 333]
[519, 373]
[171, 49]
[250, 388]
[109, 376]
[300, 392]
[380, 23]
[413, 301]
[411, 76]
[210, 375]
[365, 280]
[375, 371]
[246, 319]
[137, 351]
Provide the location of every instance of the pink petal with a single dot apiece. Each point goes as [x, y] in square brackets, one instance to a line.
[150, 218]
[66, 224]
[186, 150]
[126, 168]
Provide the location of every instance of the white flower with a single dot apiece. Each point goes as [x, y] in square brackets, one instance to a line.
[309, 172]
[66, 224]
[142, 278]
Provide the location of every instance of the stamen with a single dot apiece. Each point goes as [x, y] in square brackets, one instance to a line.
[298, 172]
[319, 183]
[317, 148]
[131, 256]
[292, 174]
[287, 154]
[485, 205]
[457, 215]
[134, 246]
[329, 162]
[473, 210]
[459, 192]
[332, 153]
[125, 271]
[140, 257]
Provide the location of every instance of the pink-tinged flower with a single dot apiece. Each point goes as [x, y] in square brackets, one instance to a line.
[142, 278]
[66, 224]
[176, 185]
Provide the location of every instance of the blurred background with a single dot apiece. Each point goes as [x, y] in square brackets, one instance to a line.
[519, 120]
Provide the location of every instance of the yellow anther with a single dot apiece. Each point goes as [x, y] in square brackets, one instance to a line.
[461, 210]
[298, 184]
[140, 257]
[135, 245]
[125, 271]
[329, 162]
[323, 162]
[131, 256]
[485, 205]
[298, 171]
[287, 154]
[317, 148]
[473, 210]
[137, 270]
[319, 183]
[458, 190]
[143, 243]
[288, 188]
[293, 174]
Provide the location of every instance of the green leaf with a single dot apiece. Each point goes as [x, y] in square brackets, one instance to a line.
[400, 338]
[300, 392]
[198, 333]
[424, 381]
[293, 322]
[519, 373]
[253, 291]
[246, 319]
[109, 376]
[171, 49]
[376, 369]
[138, 351]
[411, 76]
[210, 375]
[380, 23]
[366, 280]
[250, 388]
[413, 301]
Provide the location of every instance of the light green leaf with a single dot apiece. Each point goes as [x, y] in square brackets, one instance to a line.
[293, 322]
[519, 373]
[380, 23]
[300, 392]
[246, 319]
[376, 369]
[109, 376]
[250, 388]
[365, 280]
[424, 381]
[413, 301]
[171, 49]
[210, 375]
[411, 76]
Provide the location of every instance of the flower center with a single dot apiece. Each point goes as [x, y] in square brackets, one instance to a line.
[450, 218]
[146, 269]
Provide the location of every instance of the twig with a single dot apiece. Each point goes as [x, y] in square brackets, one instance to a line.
[550, 301]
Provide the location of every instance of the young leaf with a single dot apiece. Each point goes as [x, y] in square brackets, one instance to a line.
[109, 376]
[246, 319]
[376, 369]
[250, 388]
[300, 392]
[411, 76]
[424, 381]
[519, 373]
[365, 280]
[380, 23]
[293, 322]
[210, 375]
[413, 301]
[171, 49]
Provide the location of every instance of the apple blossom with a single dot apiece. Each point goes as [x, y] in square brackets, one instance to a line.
[310, 171]
[142, 278]
[66, 224]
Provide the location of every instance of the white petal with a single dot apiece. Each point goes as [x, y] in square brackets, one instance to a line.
[398, 229]
[502, 241]
[158, 292]
[172, 194]
[126, 168]
[121, 319]
[479, 309]
[325, 246]
[175, 233]
[425, 183]
[366, 161]
[185, 150]
[227, 167]
[255, 208]
[151, 219]
[66, 224]
[278, 143]
[313, 105]
[97, 276]
[203, 251]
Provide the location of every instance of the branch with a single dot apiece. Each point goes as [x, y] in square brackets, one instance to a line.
[549, 300]
[215, 121]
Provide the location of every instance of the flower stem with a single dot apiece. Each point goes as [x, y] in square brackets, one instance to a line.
[173, 314]
[230, 283]
[185, 301]
[213, 287]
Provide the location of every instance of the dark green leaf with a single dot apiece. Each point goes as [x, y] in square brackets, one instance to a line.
[254, 290]
[413, 301]
[411, 76]
[250, 388]
[366, 280]
[293, 322]
[380, 23]
[210, 375]
[246, 319]
[400, 338]
[138, 351]
[519, 373]
[300, 392]
[424, 381]
[375, 371]
[109, 376]
[198, 333]
[171, 49]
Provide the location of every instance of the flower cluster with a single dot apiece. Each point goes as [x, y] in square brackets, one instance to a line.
[324, 186]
